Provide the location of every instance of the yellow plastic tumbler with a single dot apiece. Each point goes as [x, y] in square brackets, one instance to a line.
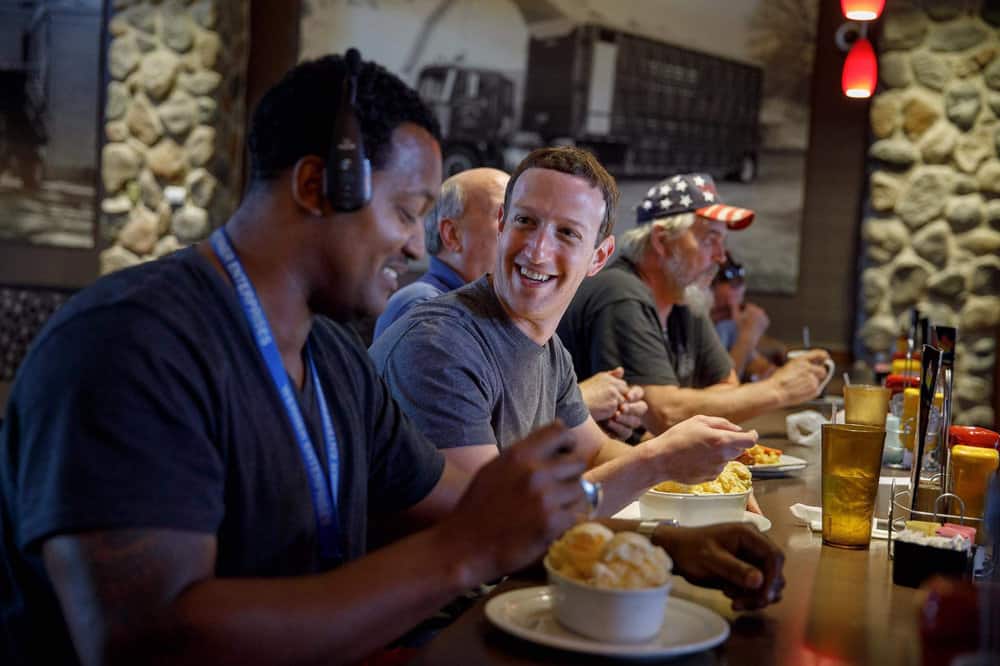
[866, 404]
[852, 458]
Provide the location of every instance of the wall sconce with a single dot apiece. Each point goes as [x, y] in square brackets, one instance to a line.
[860, 73]
[862, 10]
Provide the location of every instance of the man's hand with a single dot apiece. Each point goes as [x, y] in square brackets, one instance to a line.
[759, 367]
[799, 379]
[604, 393]
[697, 449]
[629, 415]
[752, 320]
[519, 503]
[733, 557]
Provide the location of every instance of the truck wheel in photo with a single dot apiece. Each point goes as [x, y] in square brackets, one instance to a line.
[31, 168]
[457, 159]
[746, 172]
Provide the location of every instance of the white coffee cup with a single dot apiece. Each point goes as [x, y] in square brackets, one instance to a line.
[830, 366]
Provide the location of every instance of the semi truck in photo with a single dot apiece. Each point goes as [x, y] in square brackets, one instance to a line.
[644, 107]
[476, 110]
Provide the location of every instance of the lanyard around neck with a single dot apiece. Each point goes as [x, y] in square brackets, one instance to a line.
[323, 487]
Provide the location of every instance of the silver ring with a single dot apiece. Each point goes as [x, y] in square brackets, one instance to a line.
[594, 494]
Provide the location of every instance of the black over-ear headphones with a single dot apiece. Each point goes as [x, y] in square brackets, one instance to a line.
[348, 182]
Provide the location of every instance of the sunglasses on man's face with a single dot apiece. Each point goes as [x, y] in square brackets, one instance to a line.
[731, 273]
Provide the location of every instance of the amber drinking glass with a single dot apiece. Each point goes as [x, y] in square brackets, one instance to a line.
[866, 404]
[852, 458]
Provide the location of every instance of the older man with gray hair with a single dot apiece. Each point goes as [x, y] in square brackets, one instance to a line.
[461, 237]
[646, 314]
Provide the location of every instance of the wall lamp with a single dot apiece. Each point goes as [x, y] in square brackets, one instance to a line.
[860, 73]
[862, 10]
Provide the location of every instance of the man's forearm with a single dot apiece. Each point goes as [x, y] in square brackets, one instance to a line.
[340, 616]
[621, 469]
[669, 405]
[759, 367]
[624, 475]
[610, 449]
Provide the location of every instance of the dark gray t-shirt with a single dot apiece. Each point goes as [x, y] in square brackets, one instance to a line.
[613, 321]
[466, 375]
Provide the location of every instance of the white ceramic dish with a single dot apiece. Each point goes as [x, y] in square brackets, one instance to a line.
[609, 616]
[785, 464]
[825, 403]
[685, 628]
[631, 512]
[693, 510]
[763, 523]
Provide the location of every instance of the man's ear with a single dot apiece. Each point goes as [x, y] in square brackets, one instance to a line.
[601, 255]
[500, 217]
[451, 237]
[657, 241]
[307, 185]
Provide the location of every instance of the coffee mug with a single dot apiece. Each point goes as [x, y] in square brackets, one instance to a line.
[830, 366]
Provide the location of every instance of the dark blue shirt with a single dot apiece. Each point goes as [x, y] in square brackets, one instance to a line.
[439, 279]
[144, 404]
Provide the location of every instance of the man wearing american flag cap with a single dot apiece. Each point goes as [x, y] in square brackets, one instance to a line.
[644, 313]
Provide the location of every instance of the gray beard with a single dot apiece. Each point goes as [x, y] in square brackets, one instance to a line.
[699, 299]
[698, 295]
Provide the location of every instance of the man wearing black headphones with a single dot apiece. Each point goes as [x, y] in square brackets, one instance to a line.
[194, 448]
[192, 451]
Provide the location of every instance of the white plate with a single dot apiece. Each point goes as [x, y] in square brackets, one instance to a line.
[631, 512]
[527, 613]
[785, 464]
[825, 403]
[762, 522]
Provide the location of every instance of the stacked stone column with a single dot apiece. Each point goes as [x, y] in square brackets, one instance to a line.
[173, 118]
[932, 235]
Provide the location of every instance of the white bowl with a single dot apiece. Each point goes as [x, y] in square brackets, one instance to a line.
[692, 510]
[611, 616]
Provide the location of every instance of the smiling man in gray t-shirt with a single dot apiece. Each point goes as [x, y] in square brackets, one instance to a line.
[476, 368]
[465, 373]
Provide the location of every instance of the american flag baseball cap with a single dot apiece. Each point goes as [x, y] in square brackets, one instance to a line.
[686, 193]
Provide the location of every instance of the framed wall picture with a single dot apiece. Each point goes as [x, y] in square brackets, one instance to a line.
[52, 55]
[50, 101]
[654, 88]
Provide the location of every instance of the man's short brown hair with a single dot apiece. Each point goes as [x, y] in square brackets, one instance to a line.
[576, 162]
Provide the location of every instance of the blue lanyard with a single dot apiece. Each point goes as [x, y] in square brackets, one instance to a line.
[322, 487]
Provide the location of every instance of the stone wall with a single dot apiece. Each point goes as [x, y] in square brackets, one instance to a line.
[932, 229]
[173, 118]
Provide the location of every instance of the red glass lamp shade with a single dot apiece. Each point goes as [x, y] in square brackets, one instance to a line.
[862, 10]
[860, 70]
